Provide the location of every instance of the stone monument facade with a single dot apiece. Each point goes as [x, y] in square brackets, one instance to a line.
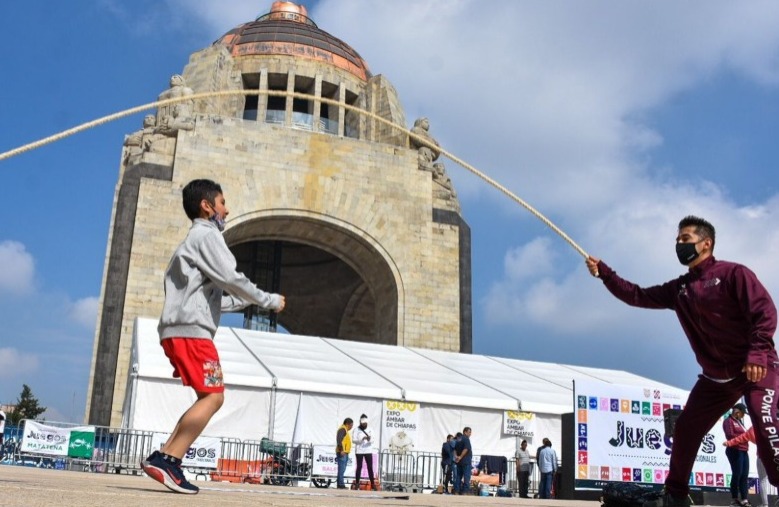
[357, 226]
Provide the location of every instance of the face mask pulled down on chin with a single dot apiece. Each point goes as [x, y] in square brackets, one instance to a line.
[218, 220]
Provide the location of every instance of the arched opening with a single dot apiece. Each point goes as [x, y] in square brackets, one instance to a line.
[337, 285]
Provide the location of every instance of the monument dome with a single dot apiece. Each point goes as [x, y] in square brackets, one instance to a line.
[287, 30]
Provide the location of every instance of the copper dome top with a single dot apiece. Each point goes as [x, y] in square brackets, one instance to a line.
[286, 30]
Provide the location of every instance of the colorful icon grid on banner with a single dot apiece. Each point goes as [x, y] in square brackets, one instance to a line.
[620, 438]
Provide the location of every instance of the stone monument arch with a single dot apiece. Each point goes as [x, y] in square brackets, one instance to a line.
[337, 211]
[344, 284]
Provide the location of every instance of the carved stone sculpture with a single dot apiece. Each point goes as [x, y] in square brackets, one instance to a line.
[170, 119]
[179, 116]
[428, 154]
[138, 142]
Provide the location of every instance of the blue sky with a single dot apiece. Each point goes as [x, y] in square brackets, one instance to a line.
[614, 119]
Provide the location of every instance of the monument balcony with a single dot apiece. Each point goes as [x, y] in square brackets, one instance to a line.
[300, 121]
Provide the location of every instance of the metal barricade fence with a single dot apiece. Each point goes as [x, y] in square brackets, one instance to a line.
[118, 450]
[206, 471]
[429, 470]
[264, 461]
[512, 480]
[229, 467]
[40, 459]
[398, 471]
[9, 451]
[112, 450]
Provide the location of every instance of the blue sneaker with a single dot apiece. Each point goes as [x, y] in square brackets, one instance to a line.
[151, 457]
[167, 474]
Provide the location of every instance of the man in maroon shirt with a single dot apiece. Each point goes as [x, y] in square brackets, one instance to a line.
[729, 319]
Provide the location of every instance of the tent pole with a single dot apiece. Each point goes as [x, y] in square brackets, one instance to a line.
[130, 424]
[272, 421]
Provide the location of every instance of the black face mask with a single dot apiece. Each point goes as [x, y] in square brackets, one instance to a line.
[686, 252]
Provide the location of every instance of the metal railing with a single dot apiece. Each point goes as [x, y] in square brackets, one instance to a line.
[114, 450]
[263, 461]
[118, 450]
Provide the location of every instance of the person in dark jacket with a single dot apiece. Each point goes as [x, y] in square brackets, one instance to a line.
[455, 475]
[447, 459]
[463, 459]
[729, 319]
[733, 427]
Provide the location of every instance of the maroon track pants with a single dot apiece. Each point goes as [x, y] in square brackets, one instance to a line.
[707, 403]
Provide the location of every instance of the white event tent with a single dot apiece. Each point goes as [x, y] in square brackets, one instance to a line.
[299, 389]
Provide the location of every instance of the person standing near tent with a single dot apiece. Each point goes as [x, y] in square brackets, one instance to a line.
[363, 450]
[201, 270]
[733, 427]
[343, 446]
[547, 466]
[729, 319]
[455, 471]
[523, 469]
[463, 458]
[447, 459]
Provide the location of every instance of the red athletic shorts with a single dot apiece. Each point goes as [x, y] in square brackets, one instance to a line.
[196, 361]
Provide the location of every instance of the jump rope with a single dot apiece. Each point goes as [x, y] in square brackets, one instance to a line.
[297, 95]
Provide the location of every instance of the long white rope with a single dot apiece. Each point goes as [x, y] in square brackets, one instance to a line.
[280, 93]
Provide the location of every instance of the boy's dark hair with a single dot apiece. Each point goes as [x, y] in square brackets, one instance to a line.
[348, 420]
[449, 436]
[195, 192]
[703, 228]
[467, 428]
[458, 435]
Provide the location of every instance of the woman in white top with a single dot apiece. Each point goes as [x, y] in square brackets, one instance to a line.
[363, 449]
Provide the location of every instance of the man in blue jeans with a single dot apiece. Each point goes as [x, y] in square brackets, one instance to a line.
[547, 465]
[343, 445]
[737, 455]
[447, 459]
[455, 474]
[463, 457]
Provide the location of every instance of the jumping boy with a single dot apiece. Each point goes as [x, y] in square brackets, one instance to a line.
[201, 269]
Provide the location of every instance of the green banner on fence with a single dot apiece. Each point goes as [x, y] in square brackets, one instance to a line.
[81, 443]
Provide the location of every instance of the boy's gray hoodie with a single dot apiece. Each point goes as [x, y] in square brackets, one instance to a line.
[199, 271]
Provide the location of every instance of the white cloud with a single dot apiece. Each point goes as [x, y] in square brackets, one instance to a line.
[84, 312]
[14, 363]
[532, 260]
[17, 268]
[637, 240]
[548, 98]
[218, 17]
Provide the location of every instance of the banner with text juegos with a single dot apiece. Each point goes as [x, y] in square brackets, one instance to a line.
[204, 452]
[620, 437]
[74, 442]
[399, 426]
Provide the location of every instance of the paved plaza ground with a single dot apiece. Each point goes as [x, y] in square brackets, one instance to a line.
[34, 487]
